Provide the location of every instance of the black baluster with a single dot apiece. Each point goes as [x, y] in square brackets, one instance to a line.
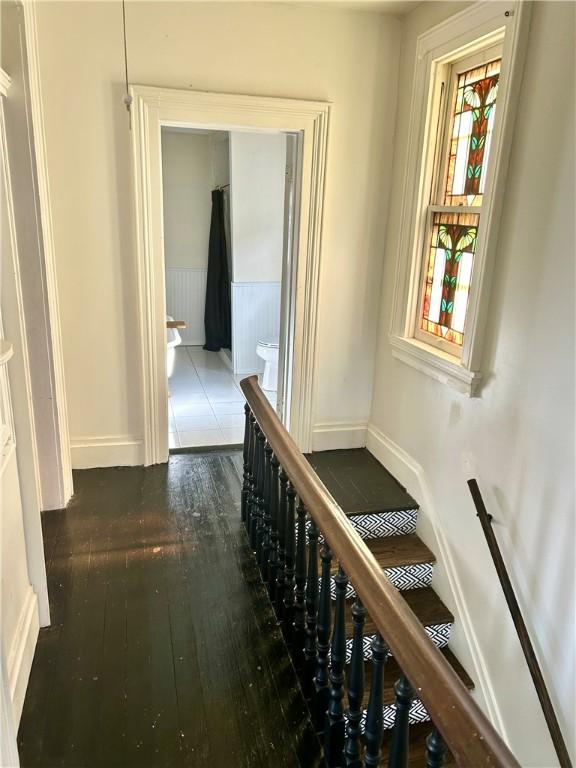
[355, 688]
[244, 502]
[300, 604]
[282, 510]
[334, 728]
[400, 734]
[289, 563]
[310, 645]
[250, 476]
[374, 716]
[266, 516]
[324, 612]
[260, 484]
[254, 504]
[273, 561]
[434, 749]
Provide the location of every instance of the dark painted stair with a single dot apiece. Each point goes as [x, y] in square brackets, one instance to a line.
[385, 515]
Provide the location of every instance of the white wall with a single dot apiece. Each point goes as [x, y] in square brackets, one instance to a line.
[346, 57]
[257, 171]
[187, 181]
[188, 168]
[517, 438]
[220, 147]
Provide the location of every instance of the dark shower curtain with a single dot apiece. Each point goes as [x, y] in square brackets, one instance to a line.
[217, 323]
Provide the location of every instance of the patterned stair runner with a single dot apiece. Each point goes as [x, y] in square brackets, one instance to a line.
[385, 516]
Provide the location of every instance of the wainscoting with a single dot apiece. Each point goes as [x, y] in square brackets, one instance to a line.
[185, 300]
[255, 315]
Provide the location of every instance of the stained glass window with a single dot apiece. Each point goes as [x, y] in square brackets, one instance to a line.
[472, 124]
[455, 212]
[448, 275]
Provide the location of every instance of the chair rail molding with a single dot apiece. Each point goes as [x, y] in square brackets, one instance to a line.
[154, 107]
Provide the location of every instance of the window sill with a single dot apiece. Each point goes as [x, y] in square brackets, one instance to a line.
[437, 364]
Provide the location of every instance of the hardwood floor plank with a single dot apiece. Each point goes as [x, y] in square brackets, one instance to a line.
[164, 650]
[395, 551]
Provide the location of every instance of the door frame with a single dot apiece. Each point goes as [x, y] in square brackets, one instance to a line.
[154, 107]
[289, 272]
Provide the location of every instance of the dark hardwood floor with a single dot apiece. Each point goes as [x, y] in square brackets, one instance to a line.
[163, 649]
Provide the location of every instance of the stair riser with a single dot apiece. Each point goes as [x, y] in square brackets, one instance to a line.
[403, 578]
[418, 714]
[438, 633]
[375, 526]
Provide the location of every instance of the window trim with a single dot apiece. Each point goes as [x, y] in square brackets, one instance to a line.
[475, 28]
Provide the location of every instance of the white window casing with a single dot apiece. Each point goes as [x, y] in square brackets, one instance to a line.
[494, 29]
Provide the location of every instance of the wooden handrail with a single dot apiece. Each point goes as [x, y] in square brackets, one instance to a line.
[520, 625]
[470, 736]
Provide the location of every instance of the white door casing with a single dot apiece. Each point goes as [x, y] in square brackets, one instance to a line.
[151, 109]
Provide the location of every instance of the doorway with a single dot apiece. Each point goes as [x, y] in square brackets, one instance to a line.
[228, 200]
[155, 108]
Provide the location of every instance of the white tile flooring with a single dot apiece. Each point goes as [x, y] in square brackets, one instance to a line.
[206, 404]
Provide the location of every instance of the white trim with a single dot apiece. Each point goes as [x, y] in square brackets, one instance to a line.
[226, 360]
[436, 47]
[153, 107]
[256, 284]
[34, 76]
[411, 475]
[22, 412]
[339, 435]
[6, 351]
[444, 368]
[107, 451]
[5, 83]
[21, 651]
[8, 746]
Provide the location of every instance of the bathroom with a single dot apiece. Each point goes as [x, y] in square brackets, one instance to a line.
[226, 229]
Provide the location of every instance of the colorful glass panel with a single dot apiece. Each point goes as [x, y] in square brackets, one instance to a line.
[471, 134]
[448, 273]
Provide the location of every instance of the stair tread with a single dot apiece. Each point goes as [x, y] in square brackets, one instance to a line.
[417, 750]
[396, 551]
[358, 482]
[425, 603]
[392, 672]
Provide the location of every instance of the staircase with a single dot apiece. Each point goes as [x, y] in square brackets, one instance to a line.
[334, 536]
[385, 516]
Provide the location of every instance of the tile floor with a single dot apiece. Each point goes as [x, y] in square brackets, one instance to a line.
[206, 404]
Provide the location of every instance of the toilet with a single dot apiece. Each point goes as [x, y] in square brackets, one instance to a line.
[267, 350]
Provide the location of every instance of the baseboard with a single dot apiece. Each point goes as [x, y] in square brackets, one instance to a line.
[411, 475]
[338, 434]
[107, 451]
[225, 359]
[21, 652]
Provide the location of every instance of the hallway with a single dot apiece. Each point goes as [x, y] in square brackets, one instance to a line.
[163, 649]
